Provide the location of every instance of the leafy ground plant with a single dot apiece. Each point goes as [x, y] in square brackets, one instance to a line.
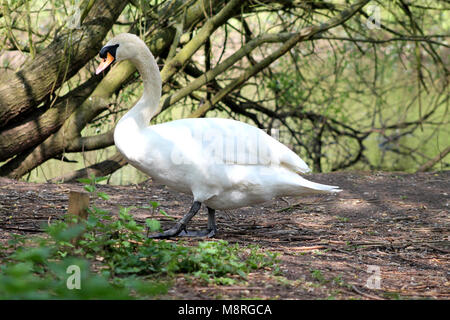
[116, 259]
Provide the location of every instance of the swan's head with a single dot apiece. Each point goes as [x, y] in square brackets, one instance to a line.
[122, 47]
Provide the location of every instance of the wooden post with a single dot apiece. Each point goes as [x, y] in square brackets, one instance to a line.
[78, 204]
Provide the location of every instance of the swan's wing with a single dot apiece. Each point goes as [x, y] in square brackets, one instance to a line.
[224, 141]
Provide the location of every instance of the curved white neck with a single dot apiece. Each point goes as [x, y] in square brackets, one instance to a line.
[140, 115]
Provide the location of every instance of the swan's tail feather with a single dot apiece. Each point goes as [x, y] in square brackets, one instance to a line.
[327, 188]
[318, 187]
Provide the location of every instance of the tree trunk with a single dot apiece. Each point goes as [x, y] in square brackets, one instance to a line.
[27, 88]
[100, 169]
[42, 123]
[67, 138]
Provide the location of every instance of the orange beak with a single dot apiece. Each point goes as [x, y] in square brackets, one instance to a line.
[104, 63]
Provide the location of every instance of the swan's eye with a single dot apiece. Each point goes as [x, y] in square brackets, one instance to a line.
[108, 49]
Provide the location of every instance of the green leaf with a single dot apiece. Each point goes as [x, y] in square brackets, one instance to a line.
[103, 195]
[85, 180]
[99, 179]
[124, 213]
[153, 225]
[242, 274]
[154, 204]
[38, 255]
[89, 188]
[165, 214]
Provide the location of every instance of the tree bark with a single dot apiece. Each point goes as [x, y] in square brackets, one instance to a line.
[42, 123]
[100, 169]
[174, 64]
[61, 141]
[54, 145]
[27, 88]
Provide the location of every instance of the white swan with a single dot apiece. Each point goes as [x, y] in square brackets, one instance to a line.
[223, 163]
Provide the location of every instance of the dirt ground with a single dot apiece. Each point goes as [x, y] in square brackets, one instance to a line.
[386, 236]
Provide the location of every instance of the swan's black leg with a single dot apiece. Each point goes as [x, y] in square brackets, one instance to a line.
[211, 222]
[180, 225]
[180, 228]
[210, 232]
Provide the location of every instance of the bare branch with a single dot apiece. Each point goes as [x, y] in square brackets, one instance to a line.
[103, 168]
[429, 164]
